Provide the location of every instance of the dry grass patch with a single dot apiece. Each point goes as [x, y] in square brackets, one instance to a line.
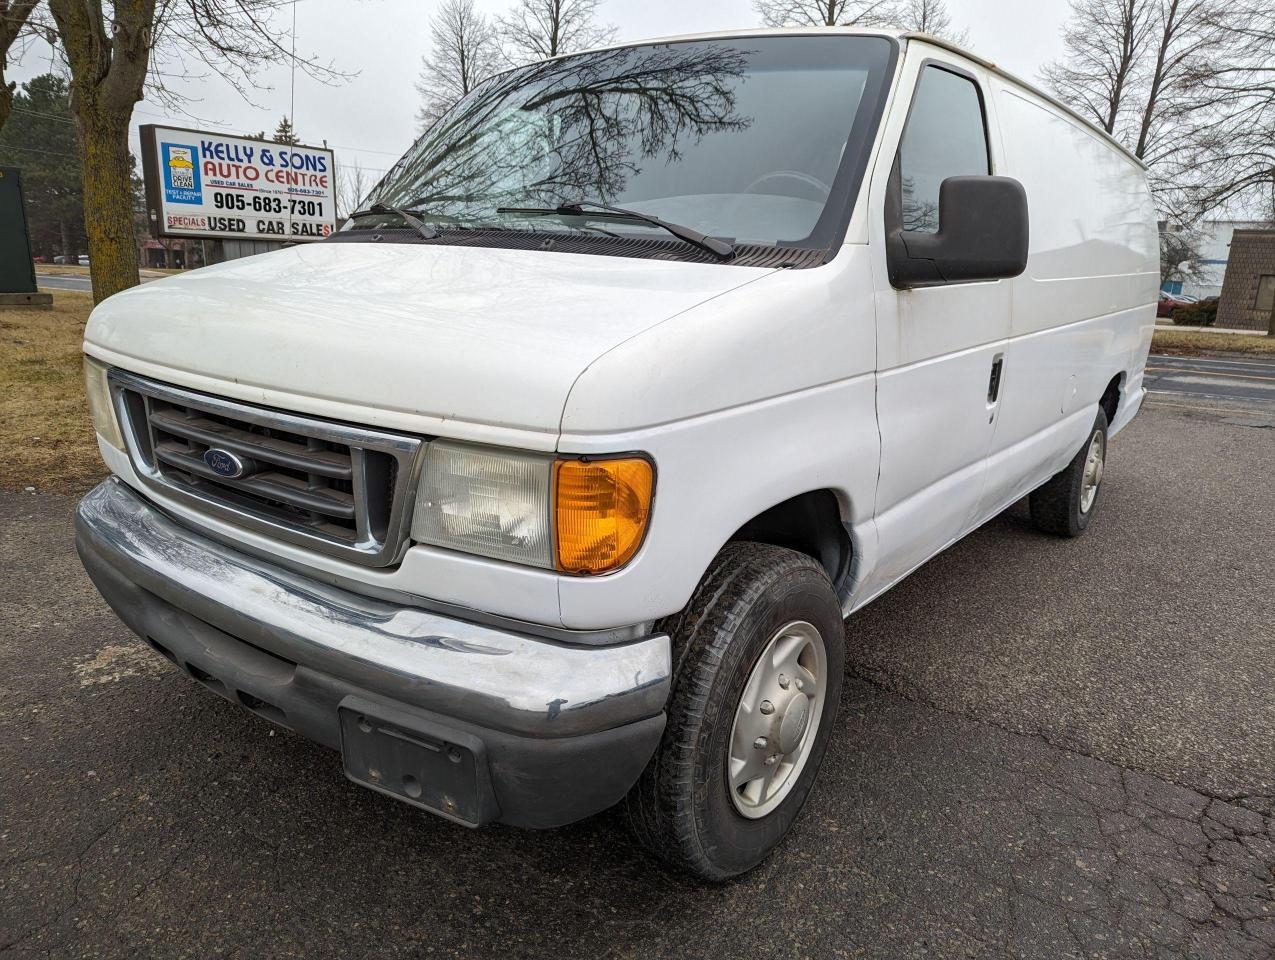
[1190, 343]
[44, 418]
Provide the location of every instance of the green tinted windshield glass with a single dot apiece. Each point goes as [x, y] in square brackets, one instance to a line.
[754, 140]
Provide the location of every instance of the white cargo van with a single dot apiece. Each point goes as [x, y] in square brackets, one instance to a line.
[545, 484]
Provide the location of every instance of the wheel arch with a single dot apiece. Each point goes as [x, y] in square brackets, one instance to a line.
[1112, 395]
[810, 523]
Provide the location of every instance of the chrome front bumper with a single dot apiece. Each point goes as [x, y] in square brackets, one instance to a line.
[566, 729]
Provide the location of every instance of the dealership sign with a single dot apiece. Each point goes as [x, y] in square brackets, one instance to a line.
[209, 185]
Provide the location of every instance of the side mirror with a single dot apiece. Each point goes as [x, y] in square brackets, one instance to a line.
[982, 235]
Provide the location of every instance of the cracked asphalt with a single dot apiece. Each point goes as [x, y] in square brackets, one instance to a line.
[1046, 749]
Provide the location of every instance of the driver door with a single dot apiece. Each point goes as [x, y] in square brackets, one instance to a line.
[940, 349]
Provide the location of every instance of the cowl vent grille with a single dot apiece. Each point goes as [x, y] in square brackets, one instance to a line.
[747, 255]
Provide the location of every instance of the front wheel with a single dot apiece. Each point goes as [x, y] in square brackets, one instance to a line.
[1066, 503]
[759, 658]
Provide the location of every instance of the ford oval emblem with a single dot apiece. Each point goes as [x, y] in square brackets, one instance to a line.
[223, 463]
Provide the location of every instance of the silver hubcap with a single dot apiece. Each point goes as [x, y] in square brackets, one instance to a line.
[777, 719]
[1093, 472]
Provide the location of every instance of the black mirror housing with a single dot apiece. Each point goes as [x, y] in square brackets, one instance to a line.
[982, 235]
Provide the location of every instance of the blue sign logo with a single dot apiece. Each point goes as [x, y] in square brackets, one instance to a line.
[181, 173]
[223, 463]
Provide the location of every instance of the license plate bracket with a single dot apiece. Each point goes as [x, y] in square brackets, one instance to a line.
[416, 760]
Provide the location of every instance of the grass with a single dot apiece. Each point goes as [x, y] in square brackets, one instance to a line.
[61, 270]
[45, 431]
[1190, 343]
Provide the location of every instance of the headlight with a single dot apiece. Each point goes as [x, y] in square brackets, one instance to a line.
[578, 516]
[492, 503]
[100, 407]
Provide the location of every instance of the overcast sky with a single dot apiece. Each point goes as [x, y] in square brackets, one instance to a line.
[371, 119]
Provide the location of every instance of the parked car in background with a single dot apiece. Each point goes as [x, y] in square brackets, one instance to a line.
[1168, 301]
[38, 258]
[83, 260]
[545, 484]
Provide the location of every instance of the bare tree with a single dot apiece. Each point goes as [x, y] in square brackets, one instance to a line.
[539, 29]
[930, 16]
[465, 51]
[1180, 257]
[826, 13]
[352, 185]
[1104, 40]
[117, 55]
[14, 15]
[1234, 164]
[1187, 85]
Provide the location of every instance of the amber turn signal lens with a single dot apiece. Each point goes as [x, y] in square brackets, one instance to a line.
[602, 508]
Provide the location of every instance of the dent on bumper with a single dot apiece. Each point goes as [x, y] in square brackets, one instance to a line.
[493, 678]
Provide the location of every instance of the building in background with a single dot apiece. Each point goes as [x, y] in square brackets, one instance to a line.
[171, 254]
[1215, 251]
[1248, 293]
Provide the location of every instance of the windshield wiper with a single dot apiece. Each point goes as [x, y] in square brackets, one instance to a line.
[381, 209]
[719, 248]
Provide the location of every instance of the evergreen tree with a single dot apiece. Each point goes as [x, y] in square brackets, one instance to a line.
[284, 133]
[40, 139]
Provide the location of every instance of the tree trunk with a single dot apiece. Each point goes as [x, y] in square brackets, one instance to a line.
[66, 239]
[108, 202]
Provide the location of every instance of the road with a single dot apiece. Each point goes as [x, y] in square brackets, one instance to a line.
[1213, 378]
[83, 284]
[49, 282]
[1047, 749]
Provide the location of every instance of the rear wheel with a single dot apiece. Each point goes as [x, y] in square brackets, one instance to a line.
[1066, 503]
[759, 657]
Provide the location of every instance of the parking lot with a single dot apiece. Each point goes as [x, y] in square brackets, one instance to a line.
[1047, 749]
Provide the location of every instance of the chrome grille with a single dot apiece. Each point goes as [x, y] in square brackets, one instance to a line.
[341, 489]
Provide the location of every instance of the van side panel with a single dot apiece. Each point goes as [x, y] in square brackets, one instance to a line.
[1094, 248]
[1083, 310]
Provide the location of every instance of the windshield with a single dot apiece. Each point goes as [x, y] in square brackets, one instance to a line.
[757, 140]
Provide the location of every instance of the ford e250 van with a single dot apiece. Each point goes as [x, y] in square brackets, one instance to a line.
[545, 484]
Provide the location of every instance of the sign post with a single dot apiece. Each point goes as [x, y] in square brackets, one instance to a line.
[211, 186]
[17, 269]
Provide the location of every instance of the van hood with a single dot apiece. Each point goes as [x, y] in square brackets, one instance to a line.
[438, 333]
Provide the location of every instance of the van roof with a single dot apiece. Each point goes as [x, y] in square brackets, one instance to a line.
[906, 37]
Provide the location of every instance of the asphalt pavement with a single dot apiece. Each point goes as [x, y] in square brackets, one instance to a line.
[46, 281]
[82, 283]
[1047, 749]
[1213, 378]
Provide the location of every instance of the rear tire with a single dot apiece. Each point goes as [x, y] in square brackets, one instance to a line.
[1065, 505]
[764, 630]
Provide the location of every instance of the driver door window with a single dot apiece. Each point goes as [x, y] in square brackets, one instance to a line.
[946, 136]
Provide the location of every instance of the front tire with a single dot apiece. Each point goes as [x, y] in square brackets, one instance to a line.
[759, 659]
[1065, 505]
